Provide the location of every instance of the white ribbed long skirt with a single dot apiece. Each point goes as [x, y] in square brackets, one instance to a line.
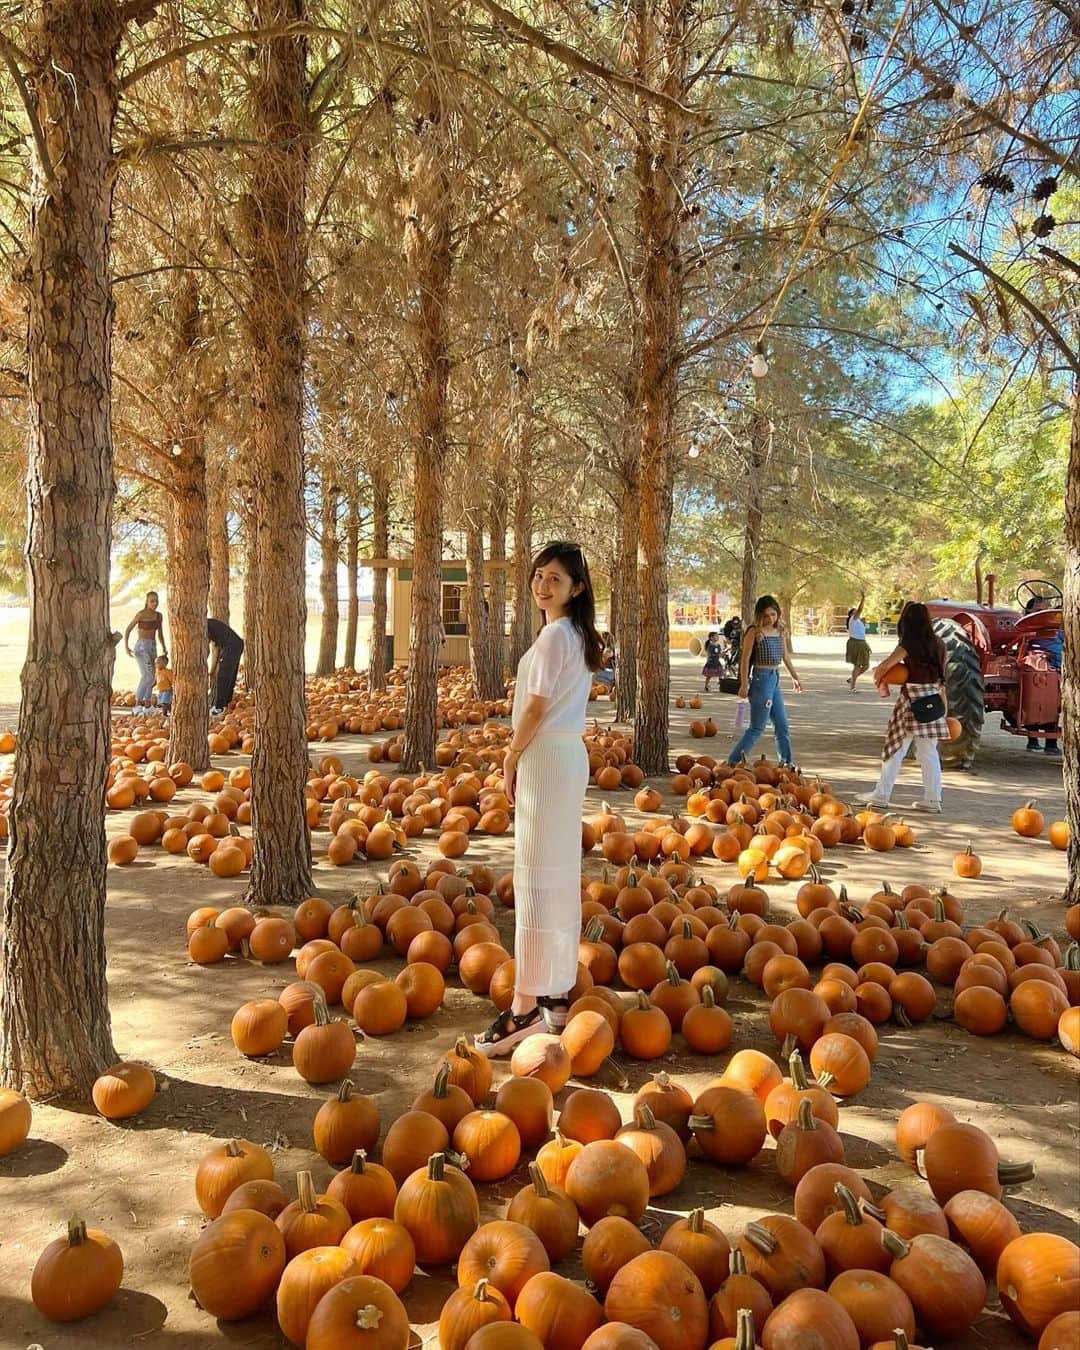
[552, 777]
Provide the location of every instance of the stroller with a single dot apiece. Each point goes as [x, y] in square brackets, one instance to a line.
[732, 632]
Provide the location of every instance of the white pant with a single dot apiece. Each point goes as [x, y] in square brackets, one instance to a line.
[926, 753]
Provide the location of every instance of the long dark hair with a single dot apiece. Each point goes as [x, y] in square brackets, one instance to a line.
[765, 602]
[916, 635]
[581, 611]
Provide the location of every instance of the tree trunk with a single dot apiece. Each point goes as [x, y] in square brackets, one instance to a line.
[352, 568]
[275, 240]
[477, 616]
[428, 245]
[217, 488]
[521, 633]
[659, 172]
[189, 573]
[251, 594]
[328, 587]
[755, 508]
[496, 665]
[624, 598]
[55, 1035]
[1070, 684]
[380, 545]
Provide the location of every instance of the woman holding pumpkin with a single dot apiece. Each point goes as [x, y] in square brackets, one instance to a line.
[545, 773]
[919, 713]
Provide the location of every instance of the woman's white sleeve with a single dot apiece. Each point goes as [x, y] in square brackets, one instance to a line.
[550, 653]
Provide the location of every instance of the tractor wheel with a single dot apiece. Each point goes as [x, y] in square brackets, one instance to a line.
[964, 687]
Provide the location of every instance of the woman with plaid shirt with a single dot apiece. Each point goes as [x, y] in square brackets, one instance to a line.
[923, 653]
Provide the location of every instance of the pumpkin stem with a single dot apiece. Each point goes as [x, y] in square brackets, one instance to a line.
[696, 1222]
[480, 1292]
[939, 910]
[644, 1118]
[463, 1048]
[733, 922]
[442, 1082]
[701, 1123]
[789, 1046]
[894, 1244]
[1071, 959]
[435, 1165]
[76, 1231]
[359, 1158]
[305, 1189]
[901, 919]
[806, 1115]
[758, 1236]
[594, 930]
[872, 1210]
[899, 1339]
[687, 928]
[673, 976]
[852, 1212]
[825, 1080]
[662, 1080]
[643, 1000]
[1013, 1174]
[368, 1317]
[539, 1181]
[708, 998]
[345, 1091]
[318, 1005]
[745, 1334]
[233, 1149]
[736, 1262]
[797, 1071]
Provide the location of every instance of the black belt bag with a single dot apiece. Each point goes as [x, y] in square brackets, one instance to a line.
[927, 708]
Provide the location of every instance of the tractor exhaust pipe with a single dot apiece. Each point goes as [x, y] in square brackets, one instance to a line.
[990, 582]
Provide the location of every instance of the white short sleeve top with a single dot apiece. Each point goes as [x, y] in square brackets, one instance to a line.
[856, 628]
[554, 667]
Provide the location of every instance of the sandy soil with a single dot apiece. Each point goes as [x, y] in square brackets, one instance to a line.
[135, 1179]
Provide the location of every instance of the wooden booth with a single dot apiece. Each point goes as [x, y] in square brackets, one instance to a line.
[454, 650]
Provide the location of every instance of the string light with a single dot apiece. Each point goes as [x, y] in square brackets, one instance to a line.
[759, 367]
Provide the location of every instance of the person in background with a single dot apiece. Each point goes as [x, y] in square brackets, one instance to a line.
[857, 653]
[1053, 648]
[228, 648]
[163, 685]
[606, 674]
[923, 653]
[764, 649]
[713, 649]
[150, 626]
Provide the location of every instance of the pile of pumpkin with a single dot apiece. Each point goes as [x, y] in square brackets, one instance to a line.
[208, 833]
[443, 917]
[775, 819]
[995, 969]
[844, 1273]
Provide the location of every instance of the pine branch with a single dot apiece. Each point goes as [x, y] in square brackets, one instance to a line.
[1042, 320]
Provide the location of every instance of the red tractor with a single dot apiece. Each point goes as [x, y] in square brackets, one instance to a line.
[998, 661]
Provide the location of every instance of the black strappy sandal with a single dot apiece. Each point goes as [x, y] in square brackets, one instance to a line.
[506, 1031]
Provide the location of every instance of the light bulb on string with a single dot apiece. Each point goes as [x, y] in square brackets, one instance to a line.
[759, 367]
[694, 451]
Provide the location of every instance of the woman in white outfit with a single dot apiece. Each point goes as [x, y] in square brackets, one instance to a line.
[545, 773]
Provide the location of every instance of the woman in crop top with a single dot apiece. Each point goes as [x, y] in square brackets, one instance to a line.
[148, 621]
[545, 773]
[764, 649]
[922, 652]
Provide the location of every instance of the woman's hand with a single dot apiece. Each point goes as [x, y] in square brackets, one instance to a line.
[743, 691]
[509, 767]
[796, 684]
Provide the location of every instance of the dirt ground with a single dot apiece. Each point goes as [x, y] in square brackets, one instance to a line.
[136, 1179]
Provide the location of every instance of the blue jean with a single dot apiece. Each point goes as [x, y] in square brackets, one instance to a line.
[766, 701]
[145, 657]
